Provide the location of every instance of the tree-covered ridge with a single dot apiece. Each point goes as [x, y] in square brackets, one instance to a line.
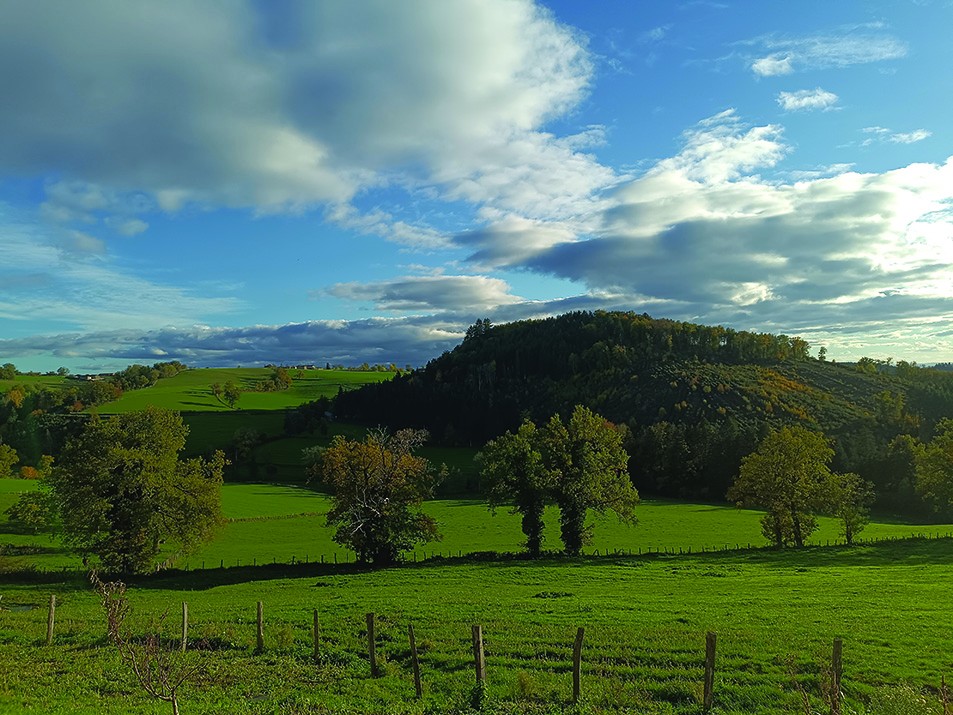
[695, 398]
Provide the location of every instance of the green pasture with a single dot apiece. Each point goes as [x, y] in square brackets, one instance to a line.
[190, 391]
[40, 381]
[775, 615]
[273, 523]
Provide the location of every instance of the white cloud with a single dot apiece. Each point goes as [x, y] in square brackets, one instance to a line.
[883, 134]
[910, 137]
[702, 233]
[852, 46]
[222, 104]
[807, 100]
[772, 66]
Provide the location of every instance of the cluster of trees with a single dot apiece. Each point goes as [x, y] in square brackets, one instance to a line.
[8, 371]
[278, 380]
[137, 377]
[789, 476]
[120, 491]
[228, 394]
[579, 465]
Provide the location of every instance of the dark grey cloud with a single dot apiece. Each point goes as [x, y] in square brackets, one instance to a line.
[430, 293]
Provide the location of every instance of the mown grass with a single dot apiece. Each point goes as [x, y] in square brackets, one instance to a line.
[775, 614]
[190, 391]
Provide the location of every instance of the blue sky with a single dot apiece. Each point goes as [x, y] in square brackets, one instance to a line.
[244, 183]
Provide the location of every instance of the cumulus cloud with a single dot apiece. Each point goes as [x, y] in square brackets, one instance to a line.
[807, 100]
[853, 46]
[705, 234]
[241, 105]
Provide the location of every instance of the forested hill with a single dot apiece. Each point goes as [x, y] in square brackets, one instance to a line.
[695, 398]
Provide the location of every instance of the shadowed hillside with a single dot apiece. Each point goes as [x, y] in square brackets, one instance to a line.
[694, 398]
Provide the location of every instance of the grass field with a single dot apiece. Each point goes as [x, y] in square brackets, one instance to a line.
[271, 523]
[775, 614]
[43, 381]
[190, 391]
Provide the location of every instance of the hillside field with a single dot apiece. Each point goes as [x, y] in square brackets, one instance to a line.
[190, 391]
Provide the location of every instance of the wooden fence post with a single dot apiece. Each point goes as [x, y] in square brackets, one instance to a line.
[479, 664]
[185, 626]
[710, 640]
[261, 627]
[50, 619]
[836, 669]
[371, 645]
[577, 666]
[416, 661]
[317, 635]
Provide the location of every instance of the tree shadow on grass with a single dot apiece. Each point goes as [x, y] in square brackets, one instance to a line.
[901, 552]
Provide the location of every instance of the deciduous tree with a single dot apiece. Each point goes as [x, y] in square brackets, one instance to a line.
[513, 472]
[934, 467]
[8, 458]
[378, 486]
[122, 491]
[851, 499]
[789, 477]
[589, 470]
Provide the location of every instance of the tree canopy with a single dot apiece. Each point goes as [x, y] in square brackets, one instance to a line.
[123, 492]
[579, 465]
[378, 485]
[934, 467]
[789, 477]
[512, 471]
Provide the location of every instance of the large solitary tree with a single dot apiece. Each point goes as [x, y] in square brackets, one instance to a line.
[123, 492]
[787, 476]
[378, 486]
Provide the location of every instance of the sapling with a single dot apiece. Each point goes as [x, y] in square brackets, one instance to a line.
[157, 668]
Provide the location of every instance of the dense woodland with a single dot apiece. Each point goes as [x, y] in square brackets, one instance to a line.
[694, 399]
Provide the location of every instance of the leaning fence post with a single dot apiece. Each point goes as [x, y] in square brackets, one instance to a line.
[479, 664]
[185, 626]
[371, 649]
[261, 627]
[836, 669]
[577, 666]
[415, 661]
[50, 619]
[710, 640]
